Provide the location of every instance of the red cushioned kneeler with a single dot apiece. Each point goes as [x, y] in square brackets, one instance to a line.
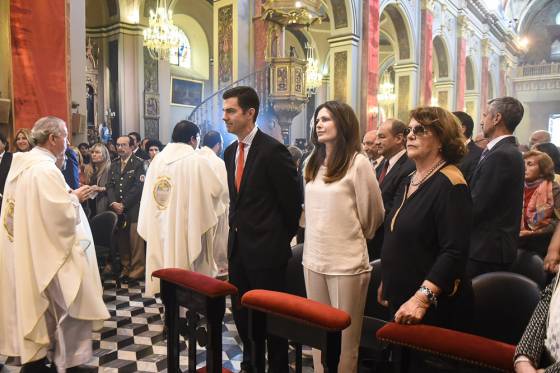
[468, 348]
[297, 319]
[201, 295]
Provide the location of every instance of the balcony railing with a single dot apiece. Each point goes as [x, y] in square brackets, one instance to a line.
[538, 70]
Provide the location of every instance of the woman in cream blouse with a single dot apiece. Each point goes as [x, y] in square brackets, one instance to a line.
[343, 208]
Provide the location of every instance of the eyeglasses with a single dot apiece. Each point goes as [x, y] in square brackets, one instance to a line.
[419, 130]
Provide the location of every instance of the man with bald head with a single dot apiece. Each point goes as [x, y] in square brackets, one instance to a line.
[539, 137]
[50, 291]
[370, 148]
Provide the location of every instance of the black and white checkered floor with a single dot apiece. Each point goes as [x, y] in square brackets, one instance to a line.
[133, 339]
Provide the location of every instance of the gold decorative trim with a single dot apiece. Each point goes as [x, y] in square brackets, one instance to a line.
[162, 191]
[9, 219]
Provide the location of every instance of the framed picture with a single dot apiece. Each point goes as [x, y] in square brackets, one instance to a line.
[186, 92]
[151, 105]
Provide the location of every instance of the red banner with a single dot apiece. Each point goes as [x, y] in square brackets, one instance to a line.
[39, 60]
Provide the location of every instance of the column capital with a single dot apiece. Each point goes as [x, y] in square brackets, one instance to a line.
[427, 5]
[485, 47]
[462, 26]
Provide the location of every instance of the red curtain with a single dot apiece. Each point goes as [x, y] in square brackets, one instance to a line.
[39, 60]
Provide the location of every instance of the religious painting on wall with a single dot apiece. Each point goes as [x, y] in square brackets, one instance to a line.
[299, 80]
[403, 103]
[340, 75]
[186, 92]
[225, 46]
[151, 105]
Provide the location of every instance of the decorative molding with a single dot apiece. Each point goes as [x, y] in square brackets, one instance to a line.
[115, 29]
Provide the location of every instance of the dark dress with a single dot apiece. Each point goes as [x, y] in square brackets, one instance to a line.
[427, 238]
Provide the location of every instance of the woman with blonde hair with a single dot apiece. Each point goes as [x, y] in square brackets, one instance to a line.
[23, 141]
[343, 208]
[96, 173]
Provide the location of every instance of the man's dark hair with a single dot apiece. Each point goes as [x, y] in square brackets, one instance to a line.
[247, 98]
[184, 131]
[511, 110]
[136, 136]
[4, 141]
[211, 139]
[552, 151]
[83, 145]
[467, 121]
[397, 126]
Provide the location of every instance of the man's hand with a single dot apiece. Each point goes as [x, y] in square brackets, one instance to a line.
[413, 310]
[83, 192]
[118, 208]
[525, 233]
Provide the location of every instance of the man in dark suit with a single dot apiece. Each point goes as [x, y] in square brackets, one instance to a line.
[136, 149]
[391, 144]
[470, 160]
[5, 163]
[497, 190]
[265, 206]
[124, 189]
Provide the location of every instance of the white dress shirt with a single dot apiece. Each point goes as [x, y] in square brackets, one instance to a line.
[394, 159]
[248, 140]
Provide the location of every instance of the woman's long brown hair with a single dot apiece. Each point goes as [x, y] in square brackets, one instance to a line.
[347, 143]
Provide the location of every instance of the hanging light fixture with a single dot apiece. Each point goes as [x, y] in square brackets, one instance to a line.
[161, 34]
[313, 77]
[386, 93]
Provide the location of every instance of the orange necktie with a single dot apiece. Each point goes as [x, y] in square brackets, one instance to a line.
[240, 165]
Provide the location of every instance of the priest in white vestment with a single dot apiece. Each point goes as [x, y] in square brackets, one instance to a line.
[212, 145]
[50, 289]
[181, 202]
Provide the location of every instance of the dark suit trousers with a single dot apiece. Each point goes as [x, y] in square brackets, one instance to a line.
[245, 280]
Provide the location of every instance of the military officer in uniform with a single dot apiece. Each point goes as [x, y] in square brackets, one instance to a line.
[124, 189]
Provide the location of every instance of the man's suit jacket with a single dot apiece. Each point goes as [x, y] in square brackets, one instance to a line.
[142, 154]
[497, 194]
[264, 214]
[126, 187]
[71, 170]
[402, 168]
[4, 169]
[389, 186]
[470, 160]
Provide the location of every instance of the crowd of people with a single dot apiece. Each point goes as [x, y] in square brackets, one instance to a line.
[437, 207]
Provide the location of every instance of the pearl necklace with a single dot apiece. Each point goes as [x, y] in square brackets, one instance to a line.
[417, 183]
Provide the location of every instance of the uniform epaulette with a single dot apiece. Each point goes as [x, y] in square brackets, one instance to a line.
[453, 174]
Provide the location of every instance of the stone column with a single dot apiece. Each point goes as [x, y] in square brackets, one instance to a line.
[370, 69]
[426, 49]
[485, 46]
[461, 79]
[260, 32]
[232, 59]
[406, 80]
[131, 78]
[343, 57]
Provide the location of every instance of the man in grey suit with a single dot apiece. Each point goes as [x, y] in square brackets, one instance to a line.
[497, 190]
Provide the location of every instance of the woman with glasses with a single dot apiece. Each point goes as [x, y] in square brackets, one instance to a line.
[343, 208]
[427, 234]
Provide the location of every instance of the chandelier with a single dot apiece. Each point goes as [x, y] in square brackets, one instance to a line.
[386, 93]
[161, 35]
[313, 77]
[290, 12]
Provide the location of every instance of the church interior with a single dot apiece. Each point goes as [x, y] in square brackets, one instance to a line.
[144, 65]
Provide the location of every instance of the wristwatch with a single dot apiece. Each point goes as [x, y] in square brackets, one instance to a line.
[428, 293]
